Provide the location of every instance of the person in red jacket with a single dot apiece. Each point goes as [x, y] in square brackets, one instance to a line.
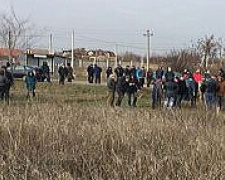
[198, 79]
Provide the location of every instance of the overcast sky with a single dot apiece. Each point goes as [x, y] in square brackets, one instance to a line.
[108, 24]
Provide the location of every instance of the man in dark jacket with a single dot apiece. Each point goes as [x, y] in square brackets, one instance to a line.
[119, 71]
[210, 87]
[192, 89]
[132, 89]
[62, 73]
[10, 78]
[97, 73]
[121, 88]
[171, 88]
[181, 92]
[157, 93]
[169, 75]
[159, 73]
[46, 71]
[4, 82]
[90, 71]
[127, 70]
[109, 71]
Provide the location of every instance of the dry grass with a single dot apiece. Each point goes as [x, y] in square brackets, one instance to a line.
[60, 139]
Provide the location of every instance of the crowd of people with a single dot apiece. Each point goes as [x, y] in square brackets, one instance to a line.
[169, 88]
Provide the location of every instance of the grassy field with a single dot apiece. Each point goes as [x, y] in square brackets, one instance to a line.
[67, 132]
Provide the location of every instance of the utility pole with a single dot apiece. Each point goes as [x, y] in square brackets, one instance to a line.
[116, 58]
[148, 34]
[9, 45]
[72, 51]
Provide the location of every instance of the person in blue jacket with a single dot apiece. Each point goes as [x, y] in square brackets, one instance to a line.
[30, 82]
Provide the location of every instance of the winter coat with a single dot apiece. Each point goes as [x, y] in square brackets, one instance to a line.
[3, 81]
[169, 76]
[182, 88]
[119, 71]
[157, 90]
[133, 85]
[62, 72]
[197, 77]
[109, 71]
[192, 87]
[30, 82]
[90, 70]
[159, 73]
[221, 89]
[139, 73]
[209, 86]
[171, 88]
[121, 85]
[97, 71]
[70, 72]
[111, 84]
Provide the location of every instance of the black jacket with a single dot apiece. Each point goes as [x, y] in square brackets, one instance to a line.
[3, 81]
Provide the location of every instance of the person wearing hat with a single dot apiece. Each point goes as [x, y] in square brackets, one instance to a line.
[4, 82]
[30, 82]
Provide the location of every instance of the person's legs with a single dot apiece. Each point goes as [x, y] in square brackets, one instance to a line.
[111, 97]
[120, 98]
[134, 103]
[129, 98]
[179, 100]
[2, 92]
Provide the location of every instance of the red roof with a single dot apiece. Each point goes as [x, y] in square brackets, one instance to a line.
[14, 52]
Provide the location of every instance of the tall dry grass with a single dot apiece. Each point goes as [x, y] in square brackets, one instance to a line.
[65, 141]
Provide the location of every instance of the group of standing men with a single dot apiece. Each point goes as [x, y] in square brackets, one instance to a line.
[167, 85]
[125, 81]
[65, 72]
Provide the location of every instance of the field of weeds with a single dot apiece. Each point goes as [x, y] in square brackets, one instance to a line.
[67, 133]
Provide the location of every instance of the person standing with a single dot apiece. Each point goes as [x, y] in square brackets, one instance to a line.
[121, 88]
[109, 71]
[210, 87]
[30, 82]
[220, 92]
[90, 72]
[97, 74]
[70, 75]
[4, 82]
[157, 93]
[111, 84]
[10, 78]
[132, 89]
[46, 71]
[150, 77]
[119, 71]
[62, 74]
[169, 75]
[192, 89]
[171, 88]
[181, 92]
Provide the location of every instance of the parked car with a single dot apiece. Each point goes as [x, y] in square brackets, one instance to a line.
[20, 71]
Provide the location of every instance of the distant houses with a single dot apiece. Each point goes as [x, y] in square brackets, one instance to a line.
[14, 55]
[36, 56]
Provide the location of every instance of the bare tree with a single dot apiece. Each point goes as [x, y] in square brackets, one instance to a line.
[15, 32]
[208, 49]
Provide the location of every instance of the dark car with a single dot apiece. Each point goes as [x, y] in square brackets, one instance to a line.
[20, 71]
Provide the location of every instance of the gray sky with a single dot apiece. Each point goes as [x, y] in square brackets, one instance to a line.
[106, 24]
